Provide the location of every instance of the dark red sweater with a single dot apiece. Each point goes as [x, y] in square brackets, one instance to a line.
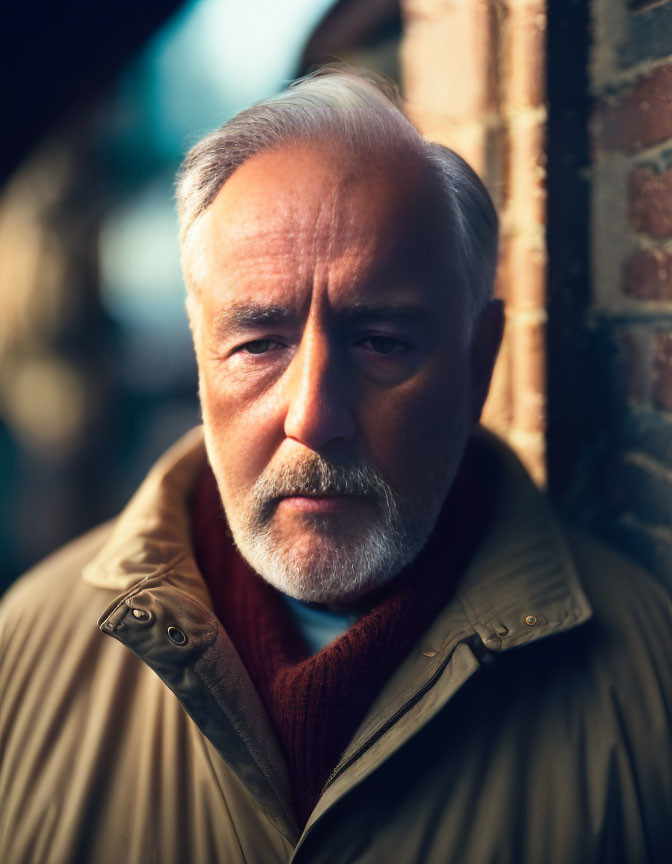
[315, 703]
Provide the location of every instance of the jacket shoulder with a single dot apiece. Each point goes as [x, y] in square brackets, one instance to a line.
[618, 587]
[630, 635]
[47, 586]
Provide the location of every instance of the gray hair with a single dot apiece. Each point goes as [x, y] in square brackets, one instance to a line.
[365, 114]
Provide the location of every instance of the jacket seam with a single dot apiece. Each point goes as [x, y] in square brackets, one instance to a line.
[158, 573]
[394, 719]
[411, 689]
[244, 738]
[469, 612]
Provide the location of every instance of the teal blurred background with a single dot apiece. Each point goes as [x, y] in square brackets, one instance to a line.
[97, 375]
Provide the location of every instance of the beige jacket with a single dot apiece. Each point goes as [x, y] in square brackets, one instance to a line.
[523, 727]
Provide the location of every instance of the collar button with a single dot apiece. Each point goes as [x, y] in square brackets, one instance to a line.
[177, 636]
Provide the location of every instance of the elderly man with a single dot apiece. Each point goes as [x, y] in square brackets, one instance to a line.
[347, 628]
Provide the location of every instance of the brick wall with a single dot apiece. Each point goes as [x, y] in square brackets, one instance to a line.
[474, 79]
[631, 248]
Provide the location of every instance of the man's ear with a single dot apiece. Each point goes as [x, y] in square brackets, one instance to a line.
[485, 343]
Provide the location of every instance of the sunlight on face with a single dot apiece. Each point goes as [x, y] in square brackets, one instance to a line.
[333, 367]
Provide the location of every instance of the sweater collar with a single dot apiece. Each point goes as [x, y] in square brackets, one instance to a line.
[520, 586]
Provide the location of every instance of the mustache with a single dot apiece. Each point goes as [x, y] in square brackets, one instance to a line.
[315, 475]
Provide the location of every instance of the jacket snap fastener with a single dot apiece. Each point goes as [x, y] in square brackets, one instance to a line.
[142, 614]
[176, 635]
[531, 620]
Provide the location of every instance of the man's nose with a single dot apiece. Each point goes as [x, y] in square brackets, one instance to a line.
[318, 414]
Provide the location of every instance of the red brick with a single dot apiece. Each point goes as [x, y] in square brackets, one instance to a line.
[661, 381]
[650, 200]
[639, 119]
[648, 275]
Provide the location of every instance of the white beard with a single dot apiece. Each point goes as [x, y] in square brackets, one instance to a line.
[321, 567]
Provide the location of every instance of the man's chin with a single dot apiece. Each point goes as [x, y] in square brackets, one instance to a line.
[329, 549]
[321, 568]
[325, 587]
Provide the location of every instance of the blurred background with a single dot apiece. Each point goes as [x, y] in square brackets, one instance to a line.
[562, 107]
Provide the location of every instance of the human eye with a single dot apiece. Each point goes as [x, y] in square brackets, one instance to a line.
[265, 345]
[259, 346]
[384, 345]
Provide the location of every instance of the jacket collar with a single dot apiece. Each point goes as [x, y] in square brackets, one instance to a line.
[520, 586]
[149, 558]
[151, 537]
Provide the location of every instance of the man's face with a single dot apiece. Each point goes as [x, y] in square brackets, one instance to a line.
[334, 370]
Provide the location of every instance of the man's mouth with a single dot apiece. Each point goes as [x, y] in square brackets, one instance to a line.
[308, 502]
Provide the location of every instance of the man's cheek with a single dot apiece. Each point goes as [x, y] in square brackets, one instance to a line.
[219, 404]
[243, 441]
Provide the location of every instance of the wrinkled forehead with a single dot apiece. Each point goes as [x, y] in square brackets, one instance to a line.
[295, 201]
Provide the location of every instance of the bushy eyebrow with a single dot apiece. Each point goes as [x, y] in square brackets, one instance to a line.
[248, 316]
[396, 313]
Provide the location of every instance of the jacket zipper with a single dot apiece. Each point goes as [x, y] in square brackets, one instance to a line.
[405, 708]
